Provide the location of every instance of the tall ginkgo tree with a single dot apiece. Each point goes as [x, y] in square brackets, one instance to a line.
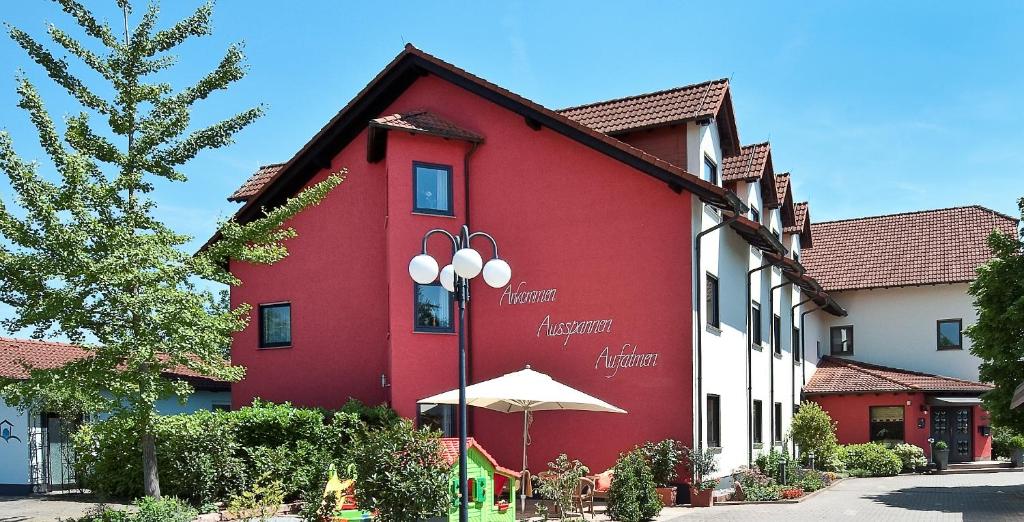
[82, 254]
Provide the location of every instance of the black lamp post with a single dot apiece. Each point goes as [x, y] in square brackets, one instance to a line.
[466, 264]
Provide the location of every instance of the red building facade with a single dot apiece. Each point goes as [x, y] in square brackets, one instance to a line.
[586, 224]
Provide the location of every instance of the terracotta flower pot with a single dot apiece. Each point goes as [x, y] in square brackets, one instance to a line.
[702, 497]
[668, 496]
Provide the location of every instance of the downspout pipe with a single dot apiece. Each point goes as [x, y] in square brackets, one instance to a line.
[800, 344]
[771, 358]
[750, 362]
[737, 212]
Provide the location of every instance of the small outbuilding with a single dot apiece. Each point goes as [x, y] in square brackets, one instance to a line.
[491, 487]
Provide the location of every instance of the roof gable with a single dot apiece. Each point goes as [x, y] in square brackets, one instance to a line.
[450, 454]
[784, 199]
[836, 376]
[753, 163]
[914, 248]
[700, 102]
[801, 225]
[413, 63]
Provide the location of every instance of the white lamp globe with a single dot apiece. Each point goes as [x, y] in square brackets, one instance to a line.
[423, 269]
[468, 263]
[497, 273]
[448, 278]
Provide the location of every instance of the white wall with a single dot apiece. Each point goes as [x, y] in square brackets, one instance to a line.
[14, 452]
[897, 327]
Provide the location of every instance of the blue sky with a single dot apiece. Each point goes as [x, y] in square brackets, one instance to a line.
[874, 107]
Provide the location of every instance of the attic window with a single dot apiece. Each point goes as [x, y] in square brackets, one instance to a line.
[432, 187]
[710, 170]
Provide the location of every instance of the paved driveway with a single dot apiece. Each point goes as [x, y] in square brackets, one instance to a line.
[979, 497]
[45, 508]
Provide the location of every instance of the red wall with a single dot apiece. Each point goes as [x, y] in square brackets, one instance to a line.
[615, 243]
[334, 277]
[852, 414]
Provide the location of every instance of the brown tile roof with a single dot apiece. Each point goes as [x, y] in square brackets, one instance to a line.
[450, 454]
[781, 186]
[801, 225]
[19, 356]
[423, 122]
[255, 183]
[837, 375]
[914, 248]
[687, 103]
[748, 165]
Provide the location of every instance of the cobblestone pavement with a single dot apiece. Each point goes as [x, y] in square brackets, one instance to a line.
[969, 498]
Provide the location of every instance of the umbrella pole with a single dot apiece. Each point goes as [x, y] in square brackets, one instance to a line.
[526, 427]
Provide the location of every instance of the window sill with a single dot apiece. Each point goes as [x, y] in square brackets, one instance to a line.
[434, 332]
[432, 214]
[797, 362]
[949, 348]
[758, 445]
[285, 347]
[713, 330]
[843, 354]
[715, 449]
[777, 355]
[757, 347]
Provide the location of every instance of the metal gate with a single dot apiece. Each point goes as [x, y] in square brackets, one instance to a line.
[51, 459]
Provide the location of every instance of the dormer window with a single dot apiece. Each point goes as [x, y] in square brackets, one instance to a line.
[710, 170]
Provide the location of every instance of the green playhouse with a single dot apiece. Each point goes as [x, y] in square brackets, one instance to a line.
[491, 487]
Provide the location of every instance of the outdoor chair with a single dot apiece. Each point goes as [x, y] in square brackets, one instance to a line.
[584, 496]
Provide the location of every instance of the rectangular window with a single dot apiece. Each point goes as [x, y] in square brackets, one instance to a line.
[796, 256]
[757, 419]
[777, 432]
[950, 334]
[755, 216]
[777, 334]
[842, 340]
[710, 170]
[432, 188]
[711, 301]
[438, 417]
[275, 325]
[886, 423]
[755, 324]
[796, 344]
[714, 422]
[433, 311]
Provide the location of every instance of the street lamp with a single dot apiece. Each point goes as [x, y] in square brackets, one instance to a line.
[466, 264]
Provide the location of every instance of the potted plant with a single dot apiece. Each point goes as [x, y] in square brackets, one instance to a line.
[702, 486]
[940, 453]
[1017, 451]
[663, 458]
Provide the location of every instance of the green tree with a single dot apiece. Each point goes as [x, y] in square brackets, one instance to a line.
[813, 430]
[998, 335]
[83, 255]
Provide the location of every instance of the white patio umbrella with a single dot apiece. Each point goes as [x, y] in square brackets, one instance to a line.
[524, 391]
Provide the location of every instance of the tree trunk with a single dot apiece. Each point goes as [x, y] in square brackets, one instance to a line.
[150, 476]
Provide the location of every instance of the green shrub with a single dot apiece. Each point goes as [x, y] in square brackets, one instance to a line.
[206, 457]
[911, 456]
[813, 430]
[401, 474]
[1002, 442]
[874, 458]
[757, 486]
[632, 497]
[261, 501]
[663, 457]
[167, 509]
[859, 473]
[561, 482]
[772, 463]
[808, 480]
